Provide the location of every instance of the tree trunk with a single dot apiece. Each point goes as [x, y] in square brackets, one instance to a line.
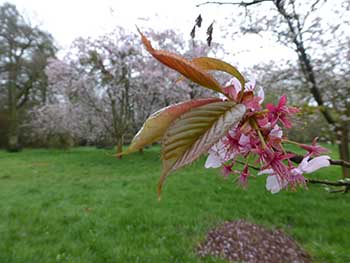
[12, 143]
[119, 147]
[343, 140]
[12, 137]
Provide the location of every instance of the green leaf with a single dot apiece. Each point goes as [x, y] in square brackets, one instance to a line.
[195, 132]
[207, 63]
[156, 125]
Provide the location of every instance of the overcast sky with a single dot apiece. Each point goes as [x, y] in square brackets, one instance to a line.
[69, 19]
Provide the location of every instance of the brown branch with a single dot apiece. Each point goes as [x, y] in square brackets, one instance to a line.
[326, 182]
[242, 3]
[340, 163]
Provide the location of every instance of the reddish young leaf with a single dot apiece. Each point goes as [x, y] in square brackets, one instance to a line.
[208, 63]
[183, 66]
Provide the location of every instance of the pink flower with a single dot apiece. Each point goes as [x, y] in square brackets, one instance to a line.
[296, 178]
[274, 160]
[219, 154]
[250, 100]
[281, 112]
[275, 183]
[307, 166]
[231, 142]
[263, 122]
[250, 85]
[232, 89]
[275, 137]
[227, 170]
[243, 178]
[258, 133]
[314, 149]
[244, 144]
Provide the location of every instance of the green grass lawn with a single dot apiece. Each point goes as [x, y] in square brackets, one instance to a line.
[84, 206]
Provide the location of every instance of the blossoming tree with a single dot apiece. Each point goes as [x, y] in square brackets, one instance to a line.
[62, 116]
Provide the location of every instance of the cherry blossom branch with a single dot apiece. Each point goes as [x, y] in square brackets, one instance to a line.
[340, 183]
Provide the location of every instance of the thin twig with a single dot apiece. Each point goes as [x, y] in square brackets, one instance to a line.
[337, 191]
[340, 163]
[249, 165]
[242, 3]
[326, 182]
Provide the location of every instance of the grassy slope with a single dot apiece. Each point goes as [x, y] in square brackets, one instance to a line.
[84, 206]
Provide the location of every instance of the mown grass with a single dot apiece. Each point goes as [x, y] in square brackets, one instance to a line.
[84, 206]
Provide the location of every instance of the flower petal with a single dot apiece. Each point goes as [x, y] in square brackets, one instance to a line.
[213, 161]
[276, 132]
[250, 85]
[261, 94]
[317, 163]
[272, 184]
[304, 163]
[235, 83]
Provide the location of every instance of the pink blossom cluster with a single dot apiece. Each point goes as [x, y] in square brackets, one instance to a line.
[258, 139]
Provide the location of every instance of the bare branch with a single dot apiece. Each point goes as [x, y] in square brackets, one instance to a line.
[326, 182]
[340, 163]
[242, 3]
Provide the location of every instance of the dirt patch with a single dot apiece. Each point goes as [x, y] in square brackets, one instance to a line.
[245, 242]
[39, 164]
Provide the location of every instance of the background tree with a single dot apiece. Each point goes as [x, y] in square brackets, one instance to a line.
[24, 50]
[318, 42]
[108, 63]
[108, 87]
[62, 121]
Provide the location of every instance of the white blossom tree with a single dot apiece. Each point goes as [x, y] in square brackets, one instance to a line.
[62, 118]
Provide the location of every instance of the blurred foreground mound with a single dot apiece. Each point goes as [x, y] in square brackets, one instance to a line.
[245, 242]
